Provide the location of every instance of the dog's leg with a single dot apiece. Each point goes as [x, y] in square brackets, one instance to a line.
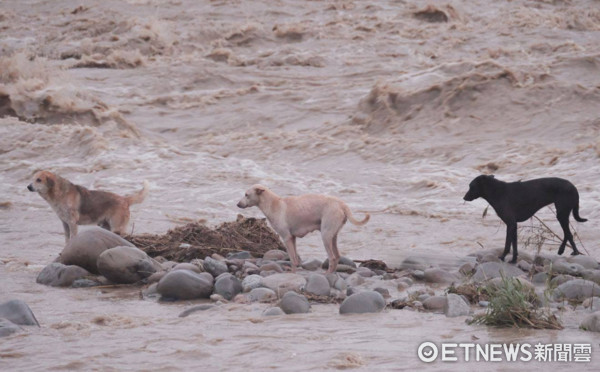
[514, 244]
[290, 245]
[563, 244]
[118, 223]
[296, 255]
[72, 229]
[67, 233]
[335, 251]
[563, 217]
[72, 222]
[331, 224]
[511, 230]
[328, 243]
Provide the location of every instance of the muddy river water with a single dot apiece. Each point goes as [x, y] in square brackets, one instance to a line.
[370, 101]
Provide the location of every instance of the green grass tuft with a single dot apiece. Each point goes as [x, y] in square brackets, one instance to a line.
[511, 304]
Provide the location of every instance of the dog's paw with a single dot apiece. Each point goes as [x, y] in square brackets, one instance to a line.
[501, 258]
[513, 261]
[575, 253]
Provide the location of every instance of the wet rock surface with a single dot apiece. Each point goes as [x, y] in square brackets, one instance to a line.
[84, 249]
[364, 302]
[18, 312]
[7, 327]
[228, 286]
[126, 265]
[489, 270]
[455, 306]
[294, 303]
[60, 275]
[185, 285]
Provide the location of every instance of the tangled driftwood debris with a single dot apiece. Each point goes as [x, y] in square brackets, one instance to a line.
[196, 240]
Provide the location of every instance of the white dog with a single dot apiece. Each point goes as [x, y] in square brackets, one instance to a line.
[295, 216]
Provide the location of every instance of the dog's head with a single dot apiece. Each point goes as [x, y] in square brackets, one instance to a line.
[477, 186]
[252, 196]
[43, 182]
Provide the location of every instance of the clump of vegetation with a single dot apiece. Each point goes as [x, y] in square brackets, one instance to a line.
[511, 304]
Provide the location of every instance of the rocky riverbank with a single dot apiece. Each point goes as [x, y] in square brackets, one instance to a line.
[555, 285]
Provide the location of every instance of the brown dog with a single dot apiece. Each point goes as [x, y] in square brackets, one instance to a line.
[296, 216]
[76, 205]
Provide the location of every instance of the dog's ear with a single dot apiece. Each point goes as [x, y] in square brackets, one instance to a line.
[259, 190]
[49, 182]
[492, 176]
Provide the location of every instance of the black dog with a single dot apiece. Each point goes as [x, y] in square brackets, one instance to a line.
[518, 201]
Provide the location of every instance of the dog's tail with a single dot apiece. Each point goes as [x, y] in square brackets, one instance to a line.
[139, 196]
[354, 221]
[576, 214]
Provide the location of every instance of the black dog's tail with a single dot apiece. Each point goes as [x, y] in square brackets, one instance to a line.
[576, 214]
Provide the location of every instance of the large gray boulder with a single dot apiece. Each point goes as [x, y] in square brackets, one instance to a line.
[455, 306]
[185, 285]
[126, 265]
[84, 248]
[228, 286]
[294, 303]
[591, 322]
[7, 327]
[577, 289]
[60, 275]
[18, 312]
[284, 282]
[214, 267]
[489, 270]
[317, 284]
[363, 302]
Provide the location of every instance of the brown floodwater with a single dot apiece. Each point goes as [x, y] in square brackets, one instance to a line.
[364, 100]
